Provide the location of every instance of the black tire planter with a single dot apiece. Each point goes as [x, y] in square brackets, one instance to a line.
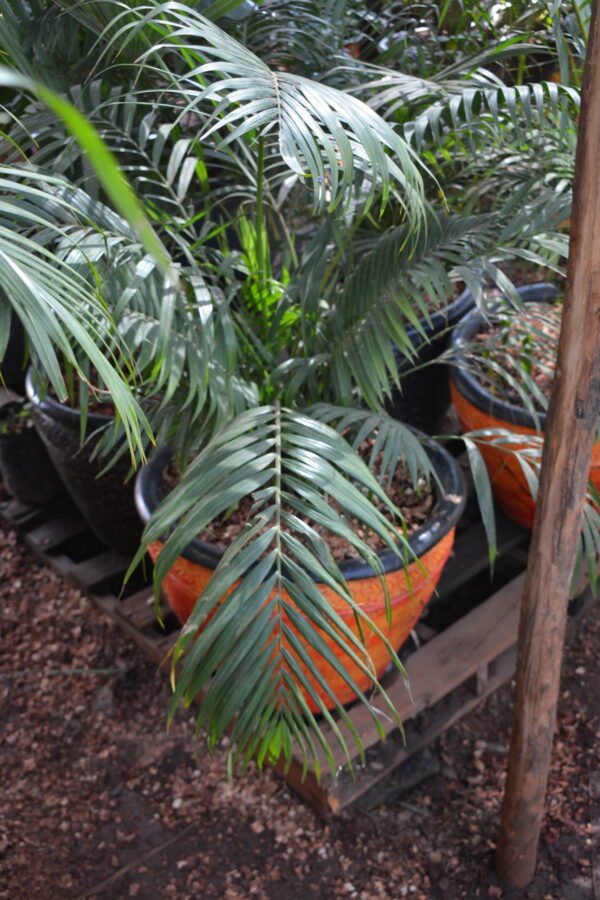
[425, 394]
[106, 501]
[26, 469]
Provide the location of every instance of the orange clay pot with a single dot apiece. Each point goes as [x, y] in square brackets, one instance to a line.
[509, 485]
[186, 580]
[409, 590]
[478, 409]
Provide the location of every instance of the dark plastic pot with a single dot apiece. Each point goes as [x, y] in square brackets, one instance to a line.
[425, 395]
[26, 469]
[409, 589]
[106, 501]
[12, 366]
[478, 409]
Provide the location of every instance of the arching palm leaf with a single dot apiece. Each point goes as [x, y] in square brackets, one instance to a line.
[400, 280]
[251, 648]
[59, 308]
[522, 106]
[322, 134]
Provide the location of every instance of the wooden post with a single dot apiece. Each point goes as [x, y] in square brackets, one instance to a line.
[571, 429]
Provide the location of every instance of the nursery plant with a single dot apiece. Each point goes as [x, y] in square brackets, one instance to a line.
[501, 375]
[266, 350]
[502, 368]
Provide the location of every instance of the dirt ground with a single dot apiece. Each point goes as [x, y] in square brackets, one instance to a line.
[98, 800]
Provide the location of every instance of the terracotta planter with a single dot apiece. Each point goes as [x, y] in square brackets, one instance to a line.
[105, 501]
[409, 590]
[478, 409]
[425, 395]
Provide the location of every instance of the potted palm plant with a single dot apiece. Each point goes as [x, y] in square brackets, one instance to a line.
[241, 342]
[502, 372]
[280, 333]
[218, 389]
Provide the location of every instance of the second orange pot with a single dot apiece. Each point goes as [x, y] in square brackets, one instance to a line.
[478, 409]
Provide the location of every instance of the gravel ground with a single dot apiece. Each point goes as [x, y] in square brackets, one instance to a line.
[99, 801]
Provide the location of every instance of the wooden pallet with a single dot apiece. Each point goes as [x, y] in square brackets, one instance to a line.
[455, 667]
[59, 536]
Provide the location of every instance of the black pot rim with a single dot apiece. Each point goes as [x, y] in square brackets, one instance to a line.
[445, 514]
[469, 386]
[62, 413]
[441, 320]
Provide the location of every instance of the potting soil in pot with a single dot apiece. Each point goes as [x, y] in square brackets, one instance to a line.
[415, 507]
[525, 345]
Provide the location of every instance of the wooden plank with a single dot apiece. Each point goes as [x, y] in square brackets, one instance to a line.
[60, 563]
[51, 535]
[94, 572]
[138, 609]
[421, 729]
[418, 733]
[329, 796]
[147, 643]
[446, 662]
[14, 514]
[105, 602]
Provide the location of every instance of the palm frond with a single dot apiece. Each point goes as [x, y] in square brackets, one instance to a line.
[397, 283]
[470, 106]
[302, 36]
[392, 441]
[523, 107]
[59, 308]
[159, 163]
[324, 136]
[254, 647]
[111, 178]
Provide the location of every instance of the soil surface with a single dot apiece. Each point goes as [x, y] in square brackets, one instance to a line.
[98, 800]
[515, 358]
[414, 503]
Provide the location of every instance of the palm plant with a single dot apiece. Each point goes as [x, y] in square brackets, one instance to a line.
[511, 358]
[61, 311]
[249, 341]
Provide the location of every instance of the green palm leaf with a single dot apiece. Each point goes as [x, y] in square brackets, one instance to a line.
[323, 135]
[400, 279]
[253, 648]
[59, 308]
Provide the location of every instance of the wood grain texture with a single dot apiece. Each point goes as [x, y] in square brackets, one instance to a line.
[572, 418]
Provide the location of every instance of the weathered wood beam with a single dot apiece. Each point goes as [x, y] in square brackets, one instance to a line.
[571, 429]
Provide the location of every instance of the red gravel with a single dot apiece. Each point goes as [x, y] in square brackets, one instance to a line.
[98, 800]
